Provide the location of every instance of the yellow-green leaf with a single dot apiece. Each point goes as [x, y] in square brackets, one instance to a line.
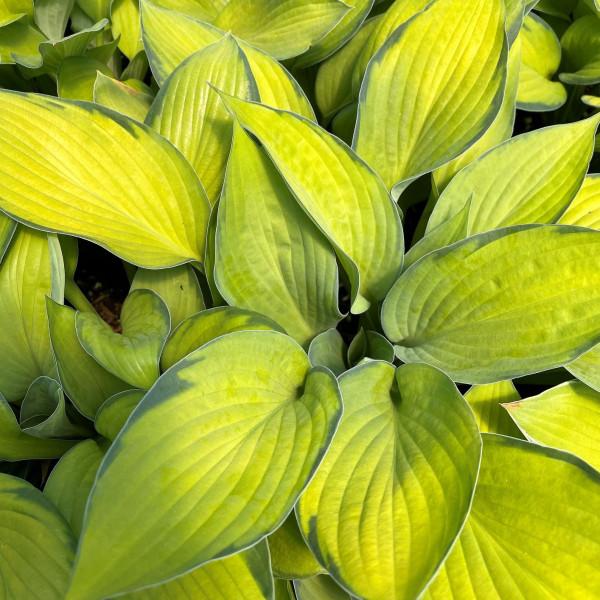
[113, 414]
[204, 10]
[485, 401]
[531, 178]
[287, 270]
[533, 531]
[125, 23]
[585, 208]
[37, 546]
[498, 305]
[328, 179]
[227, 439]
[133, 355]
[541, 58]
[566, 417]
[18, 38]
[76, 77]
[427, 96]
[30, 270]
[283, 28]
[395, 487]
[581, 52]
[120, 97]
[321, 587]
[328, 349]
[189, 113]
[125, 187]
[85, 381]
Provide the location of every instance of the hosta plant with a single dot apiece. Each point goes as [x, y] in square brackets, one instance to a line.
[357, 354]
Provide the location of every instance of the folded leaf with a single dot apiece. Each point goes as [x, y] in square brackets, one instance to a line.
[515, 13]
[37, 544]
[243, 576]
[113, 414]
[178, 287]
[84, 380]
[283, 28]
[587, 368]
[188, 111]
[395, 487]
[133, 355]
[227, 439]
[19, 38]
[541, 58]
[533, 531]
[585, 208]
[76, 76]
[499, 305]
[581, 52]
[566, 417]
[71, 481]
[80, 169]
[120, 97]
[328, 349]
[290, 556]
[125, 23]
[203, 327]
[425, 97]
[51, 16]
[16, 445]
[7, 230]
[531, 178]
[287, 270]
[328, 179]
[30, 270]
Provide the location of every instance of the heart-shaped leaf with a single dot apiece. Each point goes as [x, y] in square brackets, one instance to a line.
[297, 288]
[395, 487]
[126, 188]
[132, 355]
[499, 305]
[424, 100]
[227, 439]
[370, 245]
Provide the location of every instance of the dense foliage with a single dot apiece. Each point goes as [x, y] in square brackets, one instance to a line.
[358, 355]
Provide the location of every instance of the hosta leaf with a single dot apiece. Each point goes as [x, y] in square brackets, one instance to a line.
[7, 230]
[581, 52]
[243, 424]
[126, 188]
[485, 401]
[37, 544]
[290, 556]
[328, 179]
[120, 97]
[396, 485]
[189, 113]
[566, 417]
[125, 23]
[44, 412]
[201, 328]
[343, 31]
[328, 349]
[71, 481]
[557, 8]
[369, 345]
[283, 28]
[425, 98]
[16, 7]
[52, 53]
[344, 122]
[498, 305]
[113, 414]
[96, 9]
[86, 382]
[243, 576]
[288, 270]
[397, 14]
[16, 445]
[30, 270]
[587, 368]
[76, 77]
[170, 37]
[178, 287]
[501, 129]
[134, 354]
[17, 37]
[533, 531]
[585, 208]
[333, 82]
[51, 16]
[515, 13]
[205, 10]
[541, 58]
[321, 587]
[530, 178]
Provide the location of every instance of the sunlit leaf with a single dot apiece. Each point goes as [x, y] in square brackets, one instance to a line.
[395, 487]
[122, 98]
[498, 305]
[153, 217]
[585, 208]
[425, 98]
[125, 23]
[76, 77]
[243, 424]
[321, 587]
[113, 414]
